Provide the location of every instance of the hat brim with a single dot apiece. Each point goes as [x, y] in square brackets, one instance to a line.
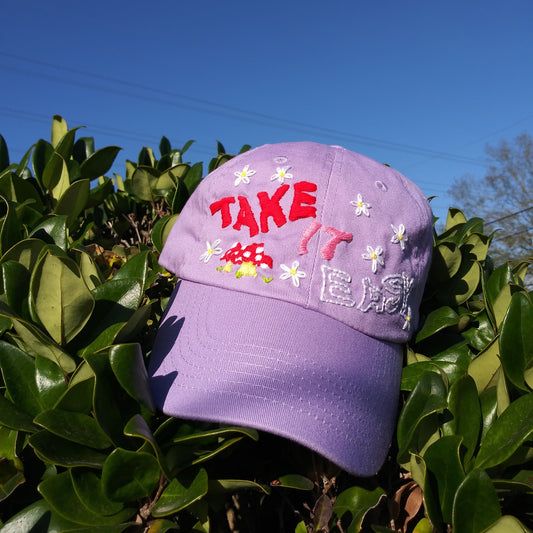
[230, 357]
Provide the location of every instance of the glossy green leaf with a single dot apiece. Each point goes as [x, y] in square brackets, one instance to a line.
[88, 269]
[476, 504]
[10, 478]
[161, 230]
[100, 192]
[164, 146]
[41, 155]
[10, 229]
[501, 276]
[62, 301]
[146, 157]
[194, 435]
[20, 190]
[446, 262]
[181, 493]
[193, 177]
[35, 342]
[507, 433]
[13, 417]
[294, 481]
[73, 201]
[25, 252]
[466, 421]
[115, 302]
[88, 488]
[454, 361]
[482, 334]
[516, 339]
[50, 381]
[75, 427]
[4, 154]
[181, 195]
[135, 267]
[485, 367]
[463, 285]
[455, 218]
[59, 451]
[411, 374]
[113, 408]
[128, 365]
[53, 230]
[83, 148]
[137, 427]
[55, 175]
[134, 326]
[129, 475]
[428, 396]
[445, 471]
[477, 244]
[436, 321]
[507, 524]
[234, 485]
[143, 182]
[98, 163]
[33, 518]
[14, 286]
[78, 397]
[59, 492]
[18, 371]
[59, 129]
[357, 501]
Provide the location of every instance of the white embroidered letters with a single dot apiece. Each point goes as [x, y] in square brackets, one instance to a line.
[390, 298]
[336, 287]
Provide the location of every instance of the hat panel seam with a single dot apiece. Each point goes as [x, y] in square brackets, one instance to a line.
[330, 160]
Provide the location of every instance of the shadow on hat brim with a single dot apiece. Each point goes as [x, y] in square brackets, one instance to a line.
[235, 358]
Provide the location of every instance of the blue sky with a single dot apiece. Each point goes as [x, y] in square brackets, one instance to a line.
[422, 86]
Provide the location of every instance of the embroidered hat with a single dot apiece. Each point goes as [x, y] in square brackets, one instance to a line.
[301, 268]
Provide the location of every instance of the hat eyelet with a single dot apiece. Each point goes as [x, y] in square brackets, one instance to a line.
[382, 186]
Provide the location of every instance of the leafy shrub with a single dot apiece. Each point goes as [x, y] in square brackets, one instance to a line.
[84, 449]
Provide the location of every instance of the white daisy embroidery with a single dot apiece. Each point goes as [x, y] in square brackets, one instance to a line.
[281, 174]
[399, 236]
[293, 272]
[407, 323]
[361, 207]
[212, 249]
[374, 255]
[244, 175]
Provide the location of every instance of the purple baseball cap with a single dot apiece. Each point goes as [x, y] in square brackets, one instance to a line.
[301, 269]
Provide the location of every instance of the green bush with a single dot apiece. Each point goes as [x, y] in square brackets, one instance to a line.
[84, 449]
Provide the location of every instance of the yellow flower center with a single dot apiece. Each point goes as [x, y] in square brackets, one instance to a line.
[210, 251]
[374, 256]
[400, 236]
[293, 272]
[282, 174]
[408, 319]
[243, 174]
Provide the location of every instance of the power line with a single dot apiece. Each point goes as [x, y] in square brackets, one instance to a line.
[516, 213]
[227, 111]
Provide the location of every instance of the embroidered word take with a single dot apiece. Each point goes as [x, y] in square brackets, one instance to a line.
[302, 206]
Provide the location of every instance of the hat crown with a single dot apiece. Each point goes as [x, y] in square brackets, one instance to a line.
[317, 226]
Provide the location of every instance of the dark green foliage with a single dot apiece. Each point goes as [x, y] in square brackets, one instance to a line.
[84, 449]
